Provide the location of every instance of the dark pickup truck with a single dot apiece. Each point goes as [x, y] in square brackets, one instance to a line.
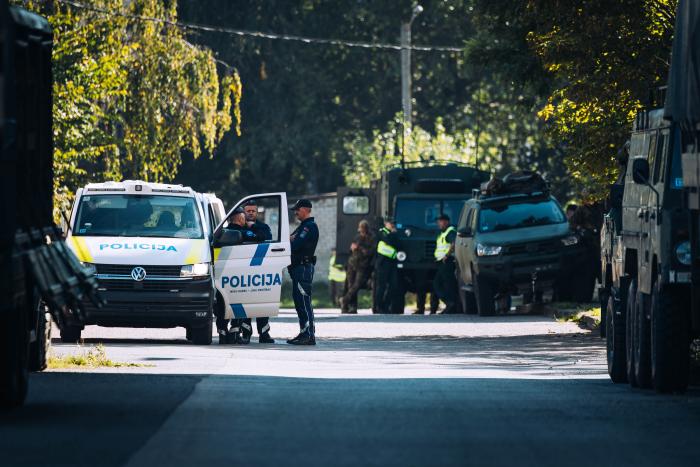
[512, 244]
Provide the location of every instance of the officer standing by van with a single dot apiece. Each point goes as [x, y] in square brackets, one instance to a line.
[385, 270]
[303, 244]
[445, 282]
[262, 233]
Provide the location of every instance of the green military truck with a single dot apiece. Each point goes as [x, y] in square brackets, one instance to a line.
[41, 277]
[414, 195]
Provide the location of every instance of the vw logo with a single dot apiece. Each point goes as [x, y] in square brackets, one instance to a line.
[138, 273]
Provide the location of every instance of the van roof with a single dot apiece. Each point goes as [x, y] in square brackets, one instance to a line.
[138, 187]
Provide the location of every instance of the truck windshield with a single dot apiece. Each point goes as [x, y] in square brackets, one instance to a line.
[138, 216]
[514, 216]
[423, 213]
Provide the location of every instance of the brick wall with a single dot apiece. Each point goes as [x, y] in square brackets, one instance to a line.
[325, 213]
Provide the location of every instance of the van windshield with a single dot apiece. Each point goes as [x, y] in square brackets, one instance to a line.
[515, 216]
[138, 216]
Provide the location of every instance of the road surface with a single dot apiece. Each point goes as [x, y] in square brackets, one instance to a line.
[377, 390]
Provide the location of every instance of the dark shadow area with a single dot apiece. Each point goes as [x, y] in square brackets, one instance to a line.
[105, 419]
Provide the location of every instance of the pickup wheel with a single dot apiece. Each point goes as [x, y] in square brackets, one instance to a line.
[670, 342]
[642, 342]
[615, 340]
[202, 335]
[14, 346]
[70, 334]
[483, 292]
[39, 349]
[630, 324]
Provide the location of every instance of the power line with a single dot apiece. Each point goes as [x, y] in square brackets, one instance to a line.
[263, 35]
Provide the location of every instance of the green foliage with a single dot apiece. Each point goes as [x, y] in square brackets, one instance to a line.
[130, 95]
[606, 57]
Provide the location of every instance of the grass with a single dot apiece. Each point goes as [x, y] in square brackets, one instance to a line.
[96, 357]
[320, 298]
[576, 312]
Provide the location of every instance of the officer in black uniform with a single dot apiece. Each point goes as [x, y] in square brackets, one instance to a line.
[262, 233]
[386, 299]
[303, 243]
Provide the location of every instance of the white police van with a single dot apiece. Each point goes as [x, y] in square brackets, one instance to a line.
[150, 245]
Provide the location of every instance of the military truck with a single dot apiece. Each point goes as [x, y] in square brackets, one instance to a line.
[40, 275]
[414, 195]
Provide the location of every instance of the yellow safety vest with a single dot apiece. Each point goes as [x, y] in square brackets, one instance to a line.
[442, 246]
[383, 248]
[335, 273]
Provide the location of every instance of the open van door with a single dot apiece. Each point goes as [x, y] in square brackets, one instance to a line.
[248, 275]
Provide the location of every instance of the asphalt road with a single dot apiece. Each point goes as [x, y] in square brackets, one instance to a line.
[377, 390]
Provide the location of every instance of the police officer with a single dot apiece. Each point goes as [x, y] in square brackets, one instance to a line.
[303, 243]
[385, 270]
[262, 233]
[445, 282]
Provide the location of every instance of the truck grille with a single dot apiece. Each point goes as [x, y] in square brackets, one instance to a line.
[543, 248]
[430, 248]
[125, 270]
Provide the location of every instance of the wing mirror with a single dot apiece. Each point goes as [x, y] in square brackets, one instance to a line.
[227, 237]
[465, 232]
[640, 170]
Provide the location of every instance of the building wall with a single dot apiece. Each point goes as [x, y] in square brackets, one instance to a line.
[325, 213]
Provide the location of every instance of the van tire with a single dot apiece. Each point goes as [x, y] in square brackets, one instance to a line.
[70, 334]
[483, 292]
[202, 335]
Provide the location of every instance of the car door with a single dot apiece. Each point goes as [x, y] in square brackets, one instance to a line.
[248, 275]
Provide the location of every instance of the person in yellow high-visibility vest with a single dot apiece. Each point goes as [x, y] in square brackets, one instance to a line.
[336, 279]
[387, 290]
[445, 282]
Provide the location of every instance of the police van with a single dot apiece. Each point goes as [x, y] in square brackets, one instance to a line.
[152, 247]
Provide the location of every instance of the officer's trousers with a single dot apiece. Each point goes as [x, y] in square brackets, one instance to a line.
[246, 325]
[356, 279]
[386, 286]
[445, 283]
[302, 276]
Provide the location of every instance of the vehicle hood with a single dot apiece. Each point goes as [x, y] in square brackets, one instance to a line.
[140, 250]
[526, 234]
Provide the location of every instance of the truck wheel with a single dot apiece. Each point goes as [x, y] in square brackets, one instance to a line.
[202, 335]
[642, 342]
[70, 334]
[14, 365]
[670, 342]
[630, 324]
[483, 292]
[615, 341]
[604, 296]
[39, 349]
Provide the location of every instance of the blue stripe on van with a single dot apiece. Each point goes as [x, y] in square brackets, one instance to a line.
[238, 311]
[259, 255]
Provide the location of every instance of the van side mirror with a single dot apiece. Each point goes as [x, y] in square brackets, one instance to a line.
[465, 232]
[227, 237]
[640, 170]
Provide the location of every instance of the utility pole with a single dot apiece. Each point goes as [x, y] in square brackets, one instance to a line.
[406, 103]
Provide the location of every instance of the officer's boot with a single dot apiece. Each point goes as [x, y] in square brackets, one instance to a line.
[263, 325]
[223, 336]
[246, 332]
[234, 335]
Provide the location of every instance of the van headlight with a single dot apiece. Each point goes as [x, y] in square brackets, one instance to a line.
[570, 240]
[89, 267]
[488, 250]
[195, 270]
[683, 253]
[401, 256]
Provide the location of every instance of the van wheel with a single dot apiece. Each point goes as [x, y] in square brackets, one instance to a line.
[70, 334]
[642, 342]
[483, 292]
[615, 340]
[39, 349]
[670, 342]
[202, 335]
[630, 324]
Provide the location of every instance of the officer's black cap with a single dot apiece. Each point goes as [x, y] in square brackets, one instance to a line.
[302, 203]
[443, 217]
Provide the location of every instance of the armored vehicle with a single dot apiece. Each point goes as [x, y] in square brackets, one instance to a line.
[514, 239]
[414, 195]
[40, 274]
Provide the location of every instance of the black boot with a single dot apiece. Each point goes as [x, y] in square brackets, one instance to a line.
[223, 337]
[265, 338]
[243, 339]
[302, 339]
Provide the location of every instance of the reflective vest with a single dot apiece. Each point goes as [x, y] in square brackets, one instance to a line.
[335, 273]
[383, 248]
[442, 246]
